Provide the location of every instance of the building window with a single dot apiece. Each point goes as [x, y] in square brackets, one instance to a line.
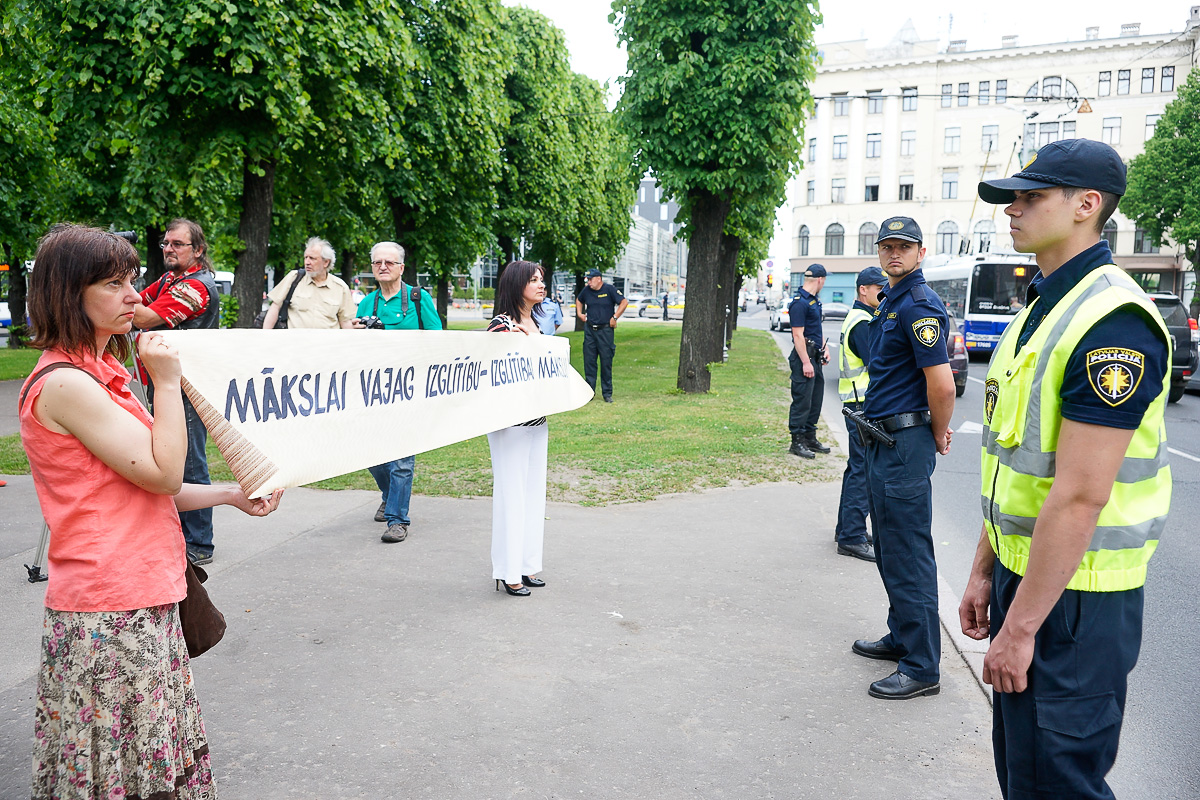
[658, 194]
[950, 185]
[1168, 79]
[908, 143]
[1068, 129]
[991, 138]
[1123, 81]
[951, 142]
[802, 240]
[812, 151]
[1110, 235]
[1047, 133]
[985, 232]
[1030, 137]
[1032, 92]
[871, 193]
[947, 94]
[1104, 85]
[662, 212]
[1142, 243]
[867, 234]
[643, 194]
[874, 145]
[1052, 87]
[875, 102]
[1111, 132]
[906, 187]
[812, 192]
[1151, 121]
[947, 238]
[834, 240]
[985, 92]
[838, 191]
[908, 96]
[1001, 92]
[1147, 80]
[840, 145]
[964, 93]
[841, 105]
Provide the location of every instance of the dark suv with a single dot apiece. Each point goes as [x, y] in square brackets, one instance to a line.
[1184, 334]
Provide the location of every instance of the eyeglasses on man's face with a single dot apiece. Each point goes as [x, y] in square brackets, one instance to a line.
[174, 245]
[388, 264]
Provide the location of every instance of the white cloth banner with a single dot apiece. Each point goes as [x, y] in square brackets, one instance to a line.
[291, 407]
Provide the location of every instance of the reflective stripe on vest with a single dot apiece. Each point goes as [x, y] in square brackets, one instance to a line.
[1022, 420]
[852, 371]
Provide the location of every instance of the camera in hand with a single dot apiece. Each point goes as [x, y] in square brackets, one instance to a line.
[371, 323]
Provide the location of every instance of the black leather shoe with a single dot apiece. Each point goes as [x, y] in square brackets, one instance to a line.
[869, 649]
[798, 448]
[520, 591]
[861, 550]
[532, 581]
[811, 442]
[899, 686]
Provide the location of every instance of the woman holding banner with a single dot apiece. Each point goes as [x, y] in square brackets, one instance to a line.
[116, 714]
[518, 452]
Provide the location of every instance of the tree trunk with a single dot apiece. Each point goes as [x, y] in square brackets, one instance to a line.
[704, 315]
[18, 332]
[254, 228]
[402, 218]
[731, 247]
[154, 254]
[347, 268]
[506, 245]
[737, 308]
[443, 299]
[578, 289]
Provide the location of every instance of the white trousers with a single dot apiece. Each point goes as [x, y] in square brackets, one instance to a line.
[518, 500]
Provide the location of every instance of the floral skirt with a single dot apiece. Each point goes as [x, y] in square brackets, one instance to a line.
[117, 715]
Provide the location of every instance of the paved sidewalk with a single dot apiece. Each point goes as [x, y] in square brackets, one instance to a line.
[692, 647]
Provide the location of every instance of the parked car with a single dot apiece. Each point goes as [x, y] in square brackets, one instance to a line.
[956, 348]
[780, 321]
[635, 301]
[834, 311]
[5, 316]
[653, 307]
[1186, 340]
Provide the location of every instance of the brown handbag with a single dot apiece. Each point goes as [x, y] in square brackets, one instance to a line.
[203, 625]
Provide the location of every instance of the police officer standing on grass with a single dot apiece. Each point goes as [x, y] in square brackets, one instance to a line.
[809, 352]
[912, 399]
[603, 306]
[1075, 478]
[853, 380]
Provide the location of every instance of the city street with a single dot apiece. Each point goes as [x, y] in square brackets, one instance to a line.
[1161, 728]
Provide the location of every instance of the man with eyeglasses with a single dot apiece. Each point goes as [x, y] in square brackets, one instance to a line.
[397, 306]
[185, 298]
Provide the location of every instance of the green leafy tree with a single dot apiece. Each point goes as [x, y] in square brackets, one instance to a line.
[715, 100]
[1163, 196]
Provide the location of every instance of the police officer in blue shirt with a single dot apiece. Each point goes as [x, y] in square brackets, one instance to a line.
[911, 398]
[809, 352]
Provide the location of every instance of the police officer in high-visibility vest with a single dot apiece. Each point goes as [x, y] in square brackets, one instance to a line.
[853, 380]
[910, 400]
[1075, 481]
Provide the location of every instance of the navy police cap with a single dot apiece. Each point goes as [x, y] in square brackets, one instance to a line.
[815, 271]
[592, 273]
[871, 276]
[900, 228]
[1083, 163]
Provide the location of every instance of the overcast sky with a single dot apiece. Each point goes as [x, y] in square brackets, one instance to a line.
[595, 52]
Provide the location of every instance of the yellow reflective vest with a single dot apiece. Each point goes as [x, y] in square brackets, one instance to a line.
[1022, 420]
[852, 372]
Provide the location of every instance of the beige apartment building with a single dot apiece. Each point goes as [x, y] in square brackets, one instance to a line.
[911, 129]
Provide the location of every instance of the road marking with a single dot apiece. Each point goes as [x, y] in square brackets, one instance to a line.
[1185, 455]
[973, 378]
[969, 427]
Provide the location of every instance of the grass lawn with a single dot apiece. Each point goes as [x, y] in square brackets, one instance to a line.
[652, 440]
[16, 365]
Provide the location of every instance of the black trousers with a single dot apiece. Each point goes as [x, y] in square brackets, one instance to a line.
[807, 396]
[599, 342]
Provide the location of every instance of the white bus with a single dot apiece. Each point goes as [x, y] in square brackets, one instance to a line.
[984, 291]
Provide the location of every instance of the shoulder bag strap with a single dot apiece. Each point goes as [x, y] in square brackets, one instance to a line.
[283, 309]
[416, 298]
[50, 368]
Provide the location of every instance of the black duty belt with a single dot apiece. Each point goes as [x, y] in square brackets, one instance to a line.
[898, 422]
[597, 327]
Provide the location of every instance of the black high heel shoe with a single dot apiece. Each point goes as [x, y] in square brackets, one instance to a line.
[520, 591]
[532, 581]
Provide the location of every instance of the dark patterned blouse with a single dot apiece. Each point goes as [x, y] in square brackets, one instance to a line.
[505, 324]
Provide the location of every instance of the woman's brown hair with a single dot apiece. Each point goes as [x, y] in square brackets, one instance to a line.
[69, 259]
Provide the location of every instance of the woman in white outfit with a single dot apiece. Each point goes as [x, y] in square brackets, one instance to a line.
[518, 452]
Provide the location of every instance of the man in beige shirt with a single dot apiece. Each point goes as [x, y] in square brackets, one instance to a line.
[321, 300]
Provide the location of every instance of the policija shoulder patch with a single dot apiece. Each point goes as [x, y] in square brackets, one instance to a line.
[1114, 373]
[991, 393]
[927, 330]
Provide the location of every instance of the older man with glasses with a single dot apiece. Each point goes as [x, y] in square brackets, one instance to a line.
[313, 297]
[395, 306]
[185, 298]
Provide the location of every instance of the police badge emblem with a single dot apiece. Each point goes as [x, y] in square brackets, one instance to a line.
[1114, 373]
[991, 393]
[927, 330]
[895, 226]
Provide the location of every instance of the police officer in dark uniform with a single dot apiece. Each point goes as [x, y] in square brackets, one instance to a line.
[912, 399]
[808, 354]
[603, 306]
[853, 382]
[1075, 480]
